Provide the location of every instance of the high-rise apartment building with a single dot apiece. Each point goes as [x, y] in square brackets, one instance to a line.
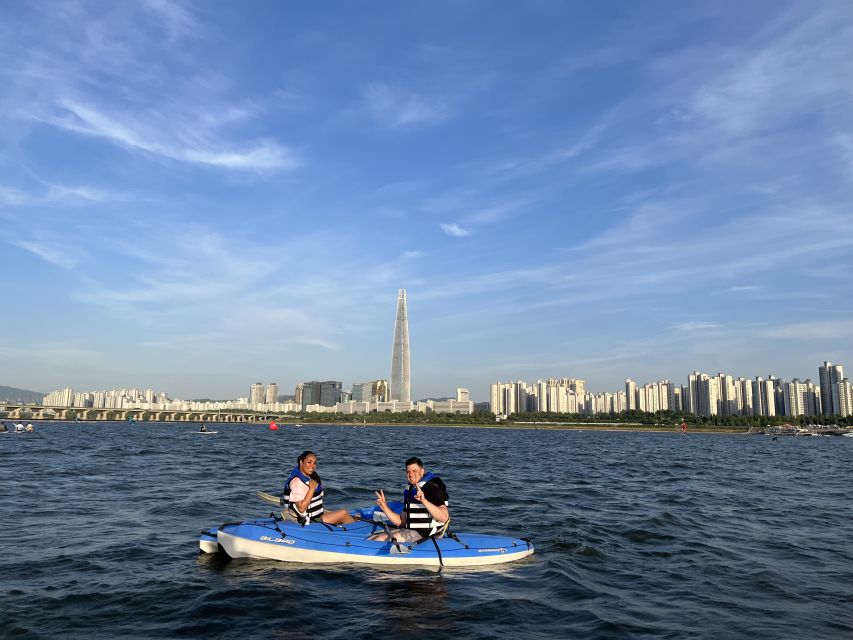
[400, 388]
[62, 398]
[830, 376]
[256, 393]
[272, 393]
[565, 395]
[763, 397]
[845, 398]
[631, 394]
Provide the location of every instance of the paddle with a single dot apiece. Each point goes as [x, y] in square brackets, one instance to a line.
[268, 497]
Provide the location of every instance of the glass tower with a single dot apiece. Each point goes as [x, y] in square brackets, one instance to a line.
[400, 387]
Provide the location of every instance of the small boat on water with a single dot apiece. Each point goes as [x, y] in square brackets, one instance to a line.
[318, 543]
[849, 434]
[19, 428]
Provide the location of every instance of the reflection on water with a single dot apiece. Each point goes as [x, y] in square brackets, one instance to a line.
[417, 604]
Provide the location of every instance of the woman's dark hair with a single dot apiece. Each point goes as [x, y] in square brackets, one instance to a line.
[416, 461]
[304, 455]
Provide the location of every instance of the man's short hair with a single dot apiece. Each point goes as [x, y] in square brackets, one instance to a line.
[416, 461]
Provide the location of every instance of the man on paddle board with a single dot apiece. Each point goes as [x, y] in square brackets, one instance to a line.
[425, 503]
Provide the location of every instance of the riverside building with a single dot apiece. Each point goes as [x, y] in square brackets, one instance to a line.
[704, 395]
[830, 375]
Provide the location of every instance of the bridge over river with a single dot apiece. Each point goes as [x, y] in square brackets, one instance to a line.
[35, 412]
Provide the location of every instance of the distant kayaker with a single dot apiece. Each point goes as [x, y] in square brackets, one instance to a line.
[303, 494]
[203, 428]
[425, 503]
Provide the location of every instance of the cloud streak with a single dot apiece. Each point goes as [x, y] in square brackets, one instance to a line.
[155, 136]
[397, 108]
[454, 230]
[816, 331]
[55, 253]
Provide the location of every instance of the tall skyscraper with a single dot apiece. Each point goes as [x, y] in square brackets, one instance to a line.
[256, 393]
[272, 393]
[400, 387]
[830, 376]
[631, 394]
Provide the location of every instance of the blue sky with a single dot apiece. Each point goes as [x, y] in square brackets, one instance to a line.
[198, 196]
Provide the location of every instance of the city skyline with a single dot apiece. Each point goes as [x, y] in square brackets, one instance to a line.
[600, 190]
[823, 385]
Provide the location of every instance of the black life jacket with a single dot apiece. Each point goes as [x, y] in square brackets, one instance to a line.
[416, 515]
[315, 507]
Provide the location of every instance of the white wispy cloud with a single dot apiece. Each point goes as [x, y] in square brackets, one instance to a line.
[403, 187]
[523, 167]
[177, 276]
[794, 70]
[742, 288]
[94, 82]
[695, 325]
[179, 140]
[816, 330]
[495, 212]
[844, 143]
[55, 194]
[397, 107]
[11, 196]
[177, 19]
[50, 353]
[454, 230]
[55, 252]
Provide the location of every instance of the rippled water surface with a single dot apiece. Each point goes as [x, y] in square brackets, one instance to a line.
[636, 534]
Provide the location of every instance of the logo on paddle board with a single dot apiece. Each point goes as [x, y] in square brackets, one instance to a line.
[499, 550]
[279, 540]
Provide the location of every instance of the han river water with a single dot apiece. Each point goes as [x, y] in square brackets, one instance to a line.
[638, 535]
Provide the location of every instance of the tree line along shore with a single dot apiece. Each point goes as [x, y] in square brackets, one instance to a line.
[628, 421]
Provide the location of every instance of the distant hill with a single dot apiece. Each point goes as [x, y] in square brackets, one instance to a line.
[11, 394]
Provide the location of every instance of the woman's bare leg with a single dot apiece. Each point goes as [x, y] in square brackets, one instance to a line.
[338, 516]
